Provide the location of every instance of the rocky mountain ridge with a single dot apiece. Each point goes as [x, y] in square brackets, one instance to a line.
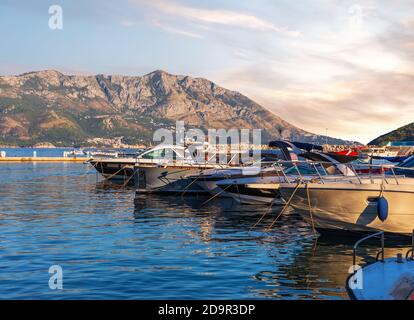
[48, 106]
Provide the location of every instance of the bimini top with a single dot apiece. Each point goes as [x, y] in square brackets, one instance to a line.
[291, 150]
[338, 163]
[300, 145]
[281, 144]
[307, 146]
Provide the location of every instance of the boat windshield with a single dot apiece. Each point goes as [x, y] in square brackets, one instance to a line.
[156, 154]
[166, 153]
[305, 170]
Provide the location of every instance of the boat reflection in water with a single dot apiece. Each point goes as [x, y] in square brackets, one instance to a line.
[288, 262]
[148, 246]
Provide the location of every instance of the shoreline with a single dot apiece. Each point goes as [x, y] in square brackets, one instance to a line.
[71, 147]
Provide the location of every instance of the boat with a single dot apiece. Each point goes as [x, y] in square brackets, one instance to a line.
[385, 279]
[393, 154]
[118, 166]
[75, 153]
[105, 154]
[174, 174]
[260, 185]
[347, 152]
[169, 177]
[240, 184]
[232, 181]
[353, 203]
[406, 167]
[374, 151]
[391, 158]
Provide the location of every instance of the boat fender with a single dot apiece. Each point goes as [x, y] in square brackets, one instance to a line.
[382, 209]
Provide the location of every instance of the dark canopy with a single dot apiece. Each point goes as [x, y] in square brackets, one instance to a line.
[283, 146]
[300, 145]
[328, 157]
[307, 146]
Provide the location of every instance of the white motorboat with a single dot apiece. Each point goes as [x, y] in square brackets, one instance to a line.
[256, 185]
[385, 279]
[122, 167]
[241, 184]
[172, 174]
[354, 203]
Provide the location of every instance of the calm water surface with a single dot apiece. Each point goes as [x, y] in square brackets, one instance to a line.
[112, 244]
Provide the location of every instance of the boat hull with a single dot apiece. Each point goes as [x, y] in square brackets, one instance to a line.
[352, 208]
[166, 179]
[116, 169]
[244, 194]
[239, 189]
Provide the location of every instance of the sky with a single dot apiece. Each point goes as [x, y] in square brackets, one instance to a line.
[340, 67]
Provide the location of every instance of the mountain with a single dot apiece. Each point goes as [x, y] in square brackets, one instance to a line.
[48, 106]
[405, 133]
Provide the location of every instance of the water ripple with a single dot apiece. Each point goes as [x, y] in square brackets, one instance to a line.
[112, 244]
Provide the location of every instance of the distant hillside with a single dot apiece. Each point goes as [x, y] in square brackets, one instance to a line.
[405, 133]
[48, 106]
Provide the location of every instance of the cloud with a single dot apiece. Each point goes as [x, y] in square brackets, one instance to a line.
[350, 68]
[175, 30]
[359, 85]
[359, 106]
[215, 17]
[127, 23]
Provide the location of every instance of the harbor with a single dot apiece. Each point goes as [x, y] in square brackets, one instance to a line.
[198, 157]
[98, 223]
[42, 159]
[113, 244]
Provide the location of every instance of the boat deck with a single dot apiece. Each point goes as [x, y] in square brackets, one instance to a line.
[388, 280]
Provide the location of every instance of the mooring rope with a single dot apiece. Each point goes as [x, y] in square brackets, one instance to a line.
[310, 208]
[192, 182]
[112, 175]
[133, 174]
[382, 183]
[216, 195]
[262, 217]
[238, 192]
[285, 207]
[90, 167]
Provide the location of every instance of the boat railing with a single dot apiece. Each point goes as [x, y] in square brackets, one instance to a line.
[410, 253]
[361, 172]
[318, 167]
[187, 163]
[382, 172]
[356, 245]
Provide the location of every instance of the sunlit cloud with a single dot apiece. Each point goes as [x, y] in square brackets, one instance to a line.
[215, 16]
[127, 23]
[175, 30]
[347, 66]
[353, 76]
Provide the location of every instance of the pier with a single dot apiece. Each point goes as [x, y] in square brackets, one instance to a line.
[43, 159]
[66, 157]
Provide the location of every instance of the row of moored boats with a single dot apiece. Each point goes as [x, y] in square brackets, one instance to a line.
[336, 192]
